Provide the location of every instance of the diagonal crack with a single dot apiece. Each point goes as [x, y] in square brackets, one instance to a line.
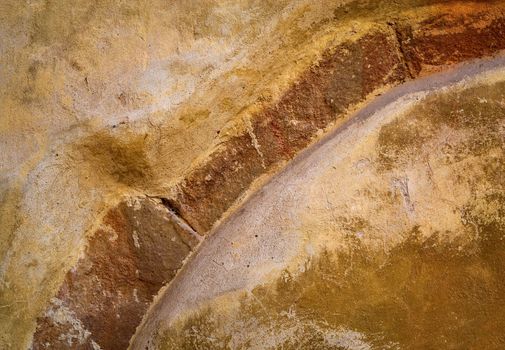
[176, 216]
[400, 43]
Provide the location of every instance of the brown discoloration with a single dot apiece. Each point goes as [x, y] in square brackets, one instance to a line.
[440, 286]
[477, 109]
[137, 250]
[211, 190]
[344, 77]
[452, 37]
[423, 295]
[121, 159]
[99, 291]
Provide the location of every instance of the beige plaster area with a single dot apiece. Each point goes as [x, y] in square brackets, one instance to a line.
[104, 100]
[100, 100]
[391, 226]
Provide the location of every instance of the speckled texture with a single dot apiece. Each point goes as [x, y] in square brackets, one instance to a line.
[138, 248]
[194, 105]
[394, 227]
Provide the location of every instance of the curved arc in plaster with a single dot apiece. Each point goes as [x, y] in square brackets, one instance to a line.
[211, 271]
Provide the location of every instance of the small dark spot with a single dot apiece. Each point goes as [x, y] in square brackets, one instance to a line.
[256, 236]
[75, 65]
[123, 98]
[32, 70]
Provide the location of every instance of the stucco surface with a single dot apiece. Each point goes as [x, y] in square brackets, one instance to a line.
[386, 235]
[159, 119]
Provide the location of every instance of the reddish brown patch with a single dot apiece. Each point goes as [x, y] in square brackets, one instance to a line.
[345, 76]
[99, 292]
[453, 37]
[342, 78]
[127, 262]
[211, 190]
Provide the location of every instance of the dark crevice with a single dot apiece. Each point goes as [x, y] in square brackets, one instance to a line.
[400, 40]
[170, 205]
[173, 208]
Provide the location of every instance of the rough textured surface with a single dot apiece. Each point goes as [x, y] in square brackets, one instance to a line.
[127, 106]
[461, 33]
[394, 228]
[344, 77]
[138, 248]
[194, 104]
[402, 48]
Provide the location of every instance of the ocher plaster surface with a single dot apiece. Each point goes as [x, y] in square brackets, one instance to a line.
[102, 100]
[387, 235]
[117, 80]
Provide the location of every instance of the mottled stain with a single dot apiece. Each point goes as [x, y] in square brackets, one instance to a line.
[423, 294]
[452, 37]
[434, 289]
[210, 191]
[479, 111]
[411, 39]
[121, 157]
[138, 249]
[344, 77]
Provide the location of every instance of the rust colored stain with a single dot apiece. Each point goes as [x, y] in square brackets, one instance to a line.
[109, 290]
[345, 76]
[211, 190]
[453, 37]
[103, 298]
